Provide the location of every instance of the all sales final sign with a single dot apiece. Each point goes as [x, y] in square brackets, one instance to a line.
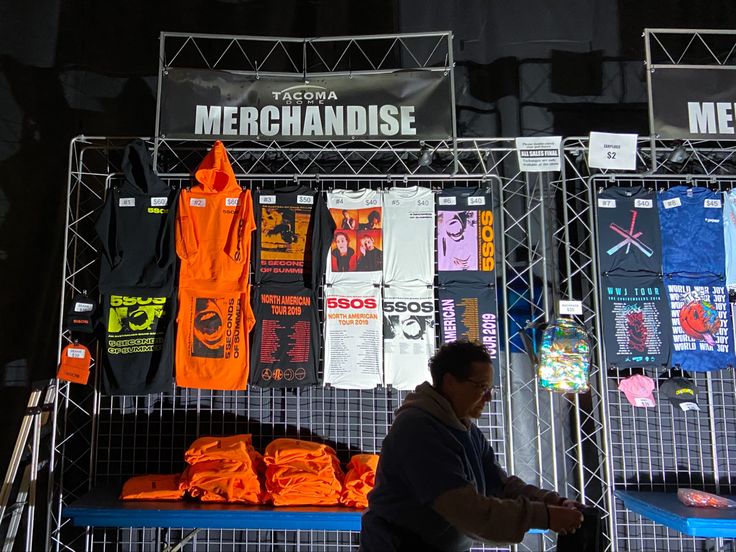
[199, 103]
[694, 102]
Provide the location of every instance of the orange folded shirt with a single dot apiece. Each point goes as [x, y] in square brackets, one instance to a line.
[359, 481]
[237, 448]
[152, 487]
[223, 481]
[302, 473]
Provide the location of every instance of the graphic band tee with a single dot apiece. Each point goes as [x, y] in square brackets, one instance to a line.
[408, 334]
[286, 338]
[701, 325]
[353, 336]
[465, 236]
[136, 228]
[139, 344]
[635, 320]
[408, 235]
[729, 237]
[212, 339]
[691, 222]
[628, 230]
[469, 312]
[356, 252]
[294, 233]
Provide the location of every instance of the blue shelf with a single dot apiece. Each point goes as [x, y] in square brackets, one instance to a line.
[665, 509]
[101, 508]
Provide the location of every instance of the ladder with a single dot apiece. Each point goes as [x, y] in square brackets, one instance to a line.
[40, 404]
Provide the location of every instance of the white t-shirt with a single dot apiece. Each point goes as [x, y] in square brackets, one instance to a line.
[353, 336]
[729, 237]
[408, 334]
[408, 236]
[356, 251]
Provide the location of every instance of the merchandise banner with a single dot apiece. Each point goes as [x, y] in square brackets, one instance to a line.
[285, 345]
[693, 102]
[353, 336]
[408, 334]
[470, 312]
[197, 103]
[701, 324]
[636, 325]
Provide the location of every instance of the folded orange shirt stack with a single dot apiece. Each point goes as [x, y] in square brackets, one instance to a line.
[223, 469]
[302, 473]
[152, 487]
[359, 481]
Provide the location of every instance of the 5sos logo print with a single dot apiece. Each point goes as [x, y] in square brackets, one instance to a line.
[351, 303]
[403, 306]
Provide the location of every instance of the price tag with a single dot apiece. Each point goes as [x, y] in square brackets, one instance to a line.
[231, 201]
[571, 307]
[479, 200]
[671, 203]
[126, 202]
[267, 200]
[712, 204]
[83, 307]
[305, 199]
[159, 201]
[643, 402]
[448, 201]
[687, 406]
[75, 353]
[612, 151]
[643, 203]
[197, 202]
[607, 203]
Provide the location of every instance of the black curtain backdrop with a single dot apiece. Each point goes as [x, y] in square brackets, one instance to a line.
[86, 67]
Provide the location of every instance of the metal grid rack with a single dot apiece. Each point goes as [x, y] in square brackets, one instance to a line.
[103, 439]
[662, 449]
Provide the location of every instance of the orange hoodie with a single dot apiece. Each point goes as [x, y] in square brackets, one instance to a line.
[213, 237]
[152, 487]
[213, 227]
[302, 473]
[360, 480]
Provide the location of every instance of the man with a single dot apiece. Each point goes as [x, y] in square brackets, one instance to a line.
[371, 258]
[343, 256]
[438, 486]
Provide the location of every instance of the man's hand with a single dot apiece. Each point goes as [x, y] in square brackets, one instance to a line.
[564, 520]
[574, 504]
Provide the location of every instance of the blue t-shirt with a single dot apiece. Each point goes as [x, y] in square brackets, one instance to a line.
[691, 220]
[701, 326]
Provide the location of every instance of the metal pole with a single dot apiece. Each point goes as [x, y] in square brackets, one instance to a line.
[650, 102]
[453, 110]
[157, 128]
[33, 482]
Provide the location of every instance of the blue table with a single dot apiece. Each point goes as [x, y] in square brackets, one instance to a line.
[101, 508]
[665, 509]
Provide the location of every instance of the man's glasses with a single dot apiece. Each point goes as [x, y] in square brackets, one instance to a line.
[487, 390]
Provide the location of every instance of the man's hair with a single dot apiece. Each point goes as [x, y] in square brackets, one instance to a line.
[343, 234]
[455, 358]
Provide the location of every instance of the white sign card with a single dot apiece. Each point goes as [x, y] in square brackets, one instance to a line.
[612, 151]
[539, 154]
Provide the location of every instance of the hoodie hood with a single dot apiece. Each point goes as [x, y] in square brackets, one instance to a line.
[138, 170]
[427, 398]
[215, 174]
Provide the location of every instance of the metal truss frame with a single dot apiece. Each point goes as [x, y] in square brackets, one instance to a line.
[634, 448]
[525, 425]
[685, 49]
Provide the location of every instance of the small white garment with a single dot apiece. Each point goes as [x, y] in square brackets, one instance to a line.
[353, 355]
[408, 236]
[356, 253]
[408, 334]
